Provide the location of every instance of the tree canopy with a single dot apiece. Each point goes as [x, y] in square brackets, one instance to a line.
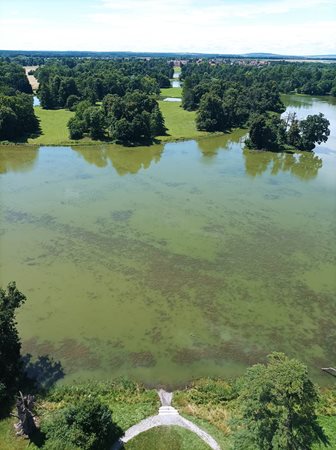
[93, 79]
[130, 119]
[277, 407]
[10, 344]
[270, 132]
[86, 425]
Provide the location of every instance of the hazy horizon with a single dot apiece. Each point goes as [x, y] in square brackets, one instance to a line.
[300, 27]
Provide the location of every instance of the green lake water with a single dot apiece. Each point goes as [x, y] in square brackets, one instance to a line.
[176, 261]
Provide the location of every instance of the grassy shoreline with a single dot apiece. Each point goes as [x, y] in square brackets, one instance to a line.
[180, 124]
[207, 402]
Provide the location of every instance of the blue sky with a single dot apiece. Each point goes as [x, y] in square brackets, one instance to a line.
[216, 26]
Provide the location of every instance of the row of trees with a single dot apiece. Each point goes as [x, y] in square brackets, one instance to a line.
[17, 117]
[67, 81]
[304, 78]
[13, 78]
[270, 132]
[225, 105]
[132, 118]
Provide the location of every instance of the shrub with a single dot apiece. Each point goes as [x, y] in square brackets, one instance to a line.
[87, 425]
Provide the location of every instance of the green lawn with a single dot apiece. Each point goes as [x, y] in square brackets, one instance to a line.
[8, 440]
[175, 92]
[180, 123]
[167, 438]
[53, 124]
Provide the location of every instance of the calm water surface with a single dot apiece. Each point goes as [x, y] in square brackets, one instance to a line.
[172, 262]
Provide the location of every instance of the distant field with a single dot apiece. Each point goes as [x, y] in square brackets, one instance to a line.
[172, 92]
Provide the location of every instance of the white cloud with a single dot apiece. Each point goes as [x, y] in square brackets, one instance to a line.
[216, 26]
[210, 9]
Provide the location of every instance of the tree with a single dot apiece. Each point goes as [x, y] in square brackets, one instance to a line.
[8, 123]
[17, 117]
[211, 115]
[157, 125]
[87, 425]
[277, 406]
[10, 344]
[293, 133]
[264, 133]
[76, 128]
[314, 130]
[72, 102]
[94, 121]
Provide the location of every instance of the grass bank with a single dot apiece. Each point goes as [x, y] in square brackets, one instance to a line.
[129, 402]
[175, 92]
[53, 124]
[210, 404]
[167, 438]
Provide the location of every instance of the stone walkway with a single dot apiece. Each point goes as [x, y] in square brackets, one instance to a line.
[167, 416]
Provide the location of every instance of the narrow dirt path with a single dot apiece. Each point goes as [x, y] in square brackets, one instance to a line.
[167, 416]
[32, 80]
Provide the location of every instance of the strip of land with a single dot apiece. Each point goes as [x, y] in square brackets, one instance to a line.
[32, 80]
[180, 124]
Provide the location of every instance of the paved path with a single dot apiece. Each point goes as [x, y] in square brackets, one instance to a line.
[167, 416]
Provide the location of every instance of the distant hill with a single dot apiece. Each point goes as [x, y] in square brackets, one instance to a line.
[323, 56]
[262, 55]
[172, 55]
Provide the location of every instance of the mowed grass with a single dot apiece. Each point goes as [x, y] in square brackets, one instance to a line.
[53, 124]
[54, 131]
[166, 438]
[175, 92]
[180, 123]
[8, 439]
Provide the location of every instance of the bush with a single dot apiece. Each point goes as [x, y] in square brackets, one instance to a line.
[87, 425]
[72, 102]
[76, 128]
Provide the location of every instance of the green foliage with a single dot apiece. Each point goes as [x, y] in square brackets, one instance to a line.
[17, 117]
[133, 118]
[277, 406]
[10, 344]
[304, 78]
[72, 102]
[8, 123]
[247, 90]
[94, 122]
[269, 132]
[226, 105]
[266, 132]
[76, 128]
[92, 79]
[13, 79]
[210, 391]
[314, 130]
[129, 401]
[87, 425]
[211, 115]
